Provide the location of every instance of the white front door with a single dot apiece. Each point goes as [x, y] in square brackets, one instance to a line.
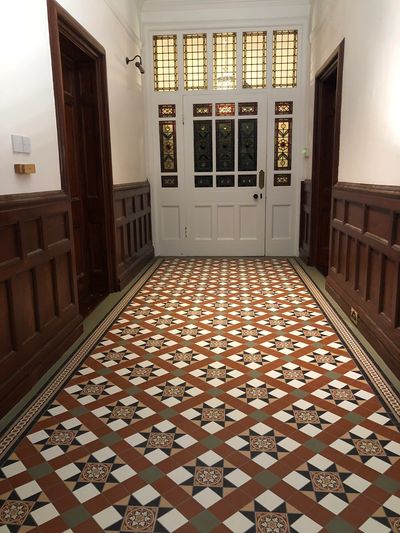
[224, 174]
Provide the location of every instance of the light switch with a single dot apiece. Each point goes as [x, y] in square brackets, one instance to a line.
[17, 144]
[26, 145]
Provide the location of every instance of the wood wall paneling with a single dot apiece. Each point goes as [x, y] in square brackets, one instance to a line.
[133, 229]
[364, 270]
[39, 316]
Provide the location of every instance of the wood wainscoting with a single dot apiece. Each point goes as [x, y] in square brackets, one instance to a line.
[364, 264]
[133, 229]
[305, 220]
[39, 315]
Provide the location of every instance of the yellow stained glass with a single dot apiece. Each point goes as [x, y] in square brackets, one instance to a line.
[165, 61]
[284, 68]
[254, 59]
[224, 61]
[195, 61]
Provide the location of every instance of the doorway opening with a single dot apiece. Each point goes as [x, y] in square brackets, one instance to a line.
[80, 88]
[327, 110]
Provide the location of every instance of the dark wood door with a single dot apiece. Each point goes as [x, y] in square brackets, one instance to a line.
[82, 163]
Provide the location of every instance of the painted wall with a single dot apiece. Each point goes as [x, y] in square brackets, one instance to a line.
[370, 135]
[27, 96]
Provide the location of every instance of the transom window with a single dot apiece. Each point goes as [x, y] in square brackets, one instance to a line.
[224, 45]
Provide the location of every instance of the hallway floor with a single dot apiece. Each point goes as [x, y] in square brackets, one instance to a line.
[219, 398]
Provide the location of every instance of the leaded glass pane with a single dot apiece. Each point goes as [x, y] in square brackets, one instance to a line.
[166, 110]
[284, 68]
[283, 144]
[224, 109]
[167, 130]
[224, 60]
[202, 139]
[283, 108]
[195, 61]
[225, 145]
[202, 110]
[247, 144]
[165, 62]
[254, 59]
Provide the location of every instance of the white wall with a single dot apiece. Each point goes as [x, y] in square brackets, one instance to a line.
[27, 96]
[370, 133]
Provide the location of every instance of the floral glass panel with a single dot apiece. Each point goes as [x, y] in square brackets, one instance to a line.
[165, 63]
[247, 159]
[166, 111]
[283, 144]
[224, 109]
[254, 59]
[195, 61]
[202, 139]
[225, 145]
[284, 53]
[283, 108]
[202, 110]
[224, 61]
[248, 108]
[168, 146]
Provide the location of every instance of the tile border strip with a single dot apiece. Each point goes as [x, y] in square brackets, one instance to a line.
[385, 390]
[15, 431]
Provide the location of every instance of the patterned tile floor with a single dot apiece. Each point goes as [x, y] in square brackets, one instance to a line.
[221, 399]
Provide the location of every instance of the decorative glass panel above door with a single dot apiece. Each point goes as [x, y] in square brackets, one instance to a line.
[224, 61]
[165, 63]
[195, 61]
[225, 145]
[247, 144]
[202, 141]
[254, 59]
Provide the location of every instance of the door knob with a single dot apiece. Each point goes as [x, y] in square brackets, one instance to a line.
[255, 196]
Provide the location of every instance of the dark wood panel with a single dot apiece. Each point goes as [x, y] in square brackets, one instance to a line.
[364, 270]
[133, 229]
[305, 220]
[39, 317]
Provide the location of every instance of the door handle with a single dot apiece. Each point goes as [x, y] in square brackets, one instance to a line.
[261, 179]
[255, 196]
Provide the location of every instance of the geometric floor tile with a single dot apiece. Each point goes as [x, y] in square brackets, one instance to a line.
[213, 415]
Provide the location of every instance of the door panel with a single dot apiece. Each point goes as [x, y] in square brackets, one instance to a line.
[225, 207]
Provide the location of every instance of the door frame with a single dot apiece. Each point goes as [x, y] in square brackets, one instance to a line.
[61, 22]
[334, 62]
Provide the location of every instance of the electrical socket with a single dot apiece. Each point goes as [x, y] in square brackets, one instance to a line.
[354, 316]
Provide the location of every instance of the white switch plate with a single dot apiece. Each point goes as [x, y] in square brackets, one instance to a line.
[17, 144]
[26, 144]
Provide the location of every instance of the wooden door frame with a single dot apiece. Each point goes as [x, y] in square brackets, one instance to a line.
[61, 22]
[335, 61]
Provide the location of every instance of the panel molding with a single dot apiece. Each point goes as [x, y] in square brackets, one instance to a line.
[39, 315]
[364, 263]
[133, 230]
[305, 220]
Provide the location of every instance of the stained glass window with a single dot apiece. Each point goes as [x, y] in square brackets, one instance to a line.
[283, 144]
[168, 146]
[283, 108]
[165, 60]
[195, 61]
[202, 110]
[284, 68]
[166, 110]
[248, 108]
[224, 60]
[224, 109]
[254, 59]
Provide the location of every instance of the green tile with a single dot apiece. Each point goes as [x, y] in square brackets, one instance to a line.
[218, 357]
[110, 438]
[39, 471]
[387, 483]
[205, 521]
[79, 411]
[259, 415]
[75, 516]
[151, 474]
[266, 479]
[211, 442]
[287, 358]
[215, 392]
[315, 445]
[105, 371]
[333, 375]
[178, 372]
[133, 390]
[255, 374]
[299, 393]
[354, 417]
[167, 413]
[338, 525]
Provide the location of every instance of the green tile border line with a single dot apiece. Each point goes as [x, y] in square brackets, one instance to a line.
[13, 432]
[385, 391]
